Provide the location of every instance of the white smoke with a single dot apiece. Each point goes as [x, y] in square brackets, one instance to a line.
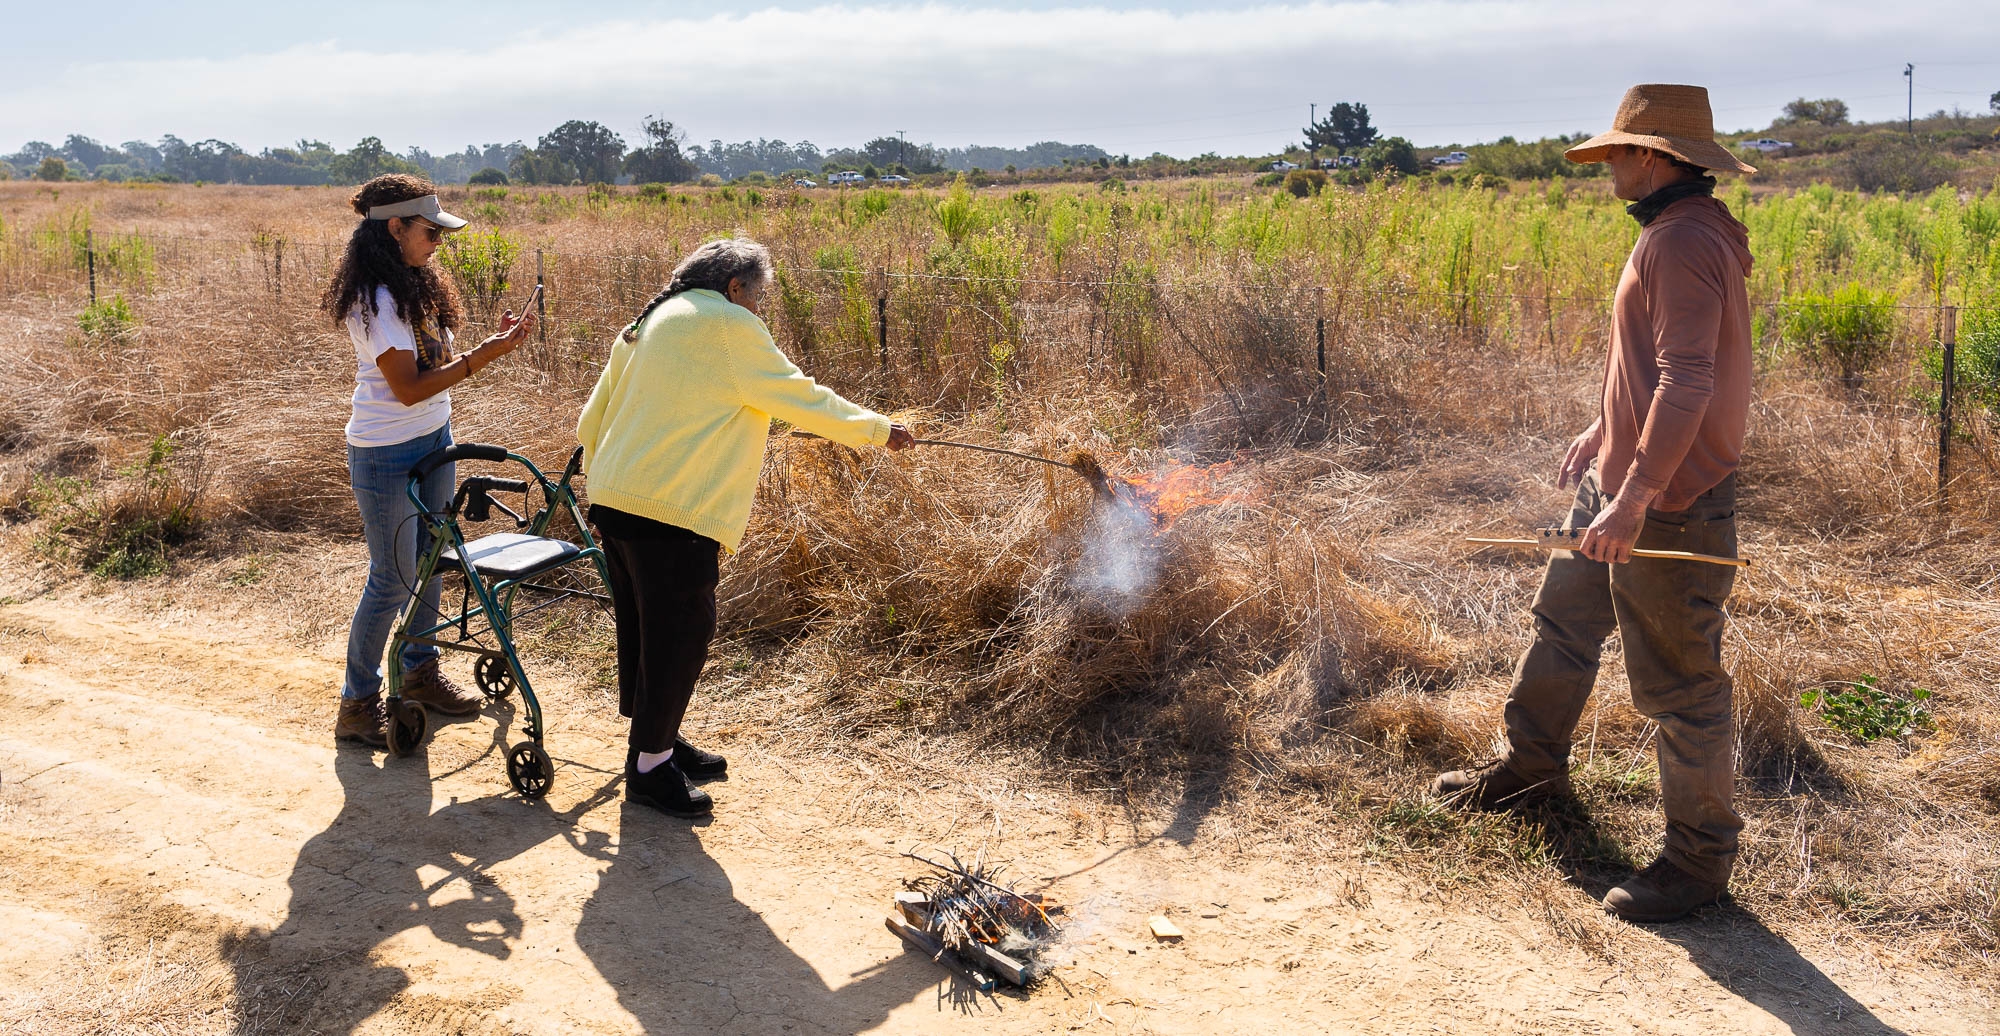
[1121, 556]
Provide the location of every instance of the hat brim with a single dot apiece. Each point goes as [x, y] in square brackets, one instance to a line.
[446, 220]
[1705, 153]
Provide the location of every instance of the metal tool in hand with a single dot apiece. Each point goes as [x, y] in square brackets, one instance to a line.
[1571, 539]
[1090, 471]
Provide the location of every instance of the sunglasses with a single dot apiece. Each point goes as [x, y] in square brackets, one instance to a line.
[431, 230]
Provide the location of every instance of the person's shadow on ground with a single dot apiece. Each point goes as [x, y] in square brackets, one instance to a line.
[663, 928]
[361, 882]
[666, 931]
[1728, 943]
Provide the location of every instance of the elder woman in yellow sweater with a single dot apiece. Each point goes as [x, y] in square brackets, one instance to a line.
[673, 439]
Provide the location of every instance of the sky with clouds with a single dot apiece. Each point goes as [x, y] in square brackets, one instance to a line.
[1178, 77]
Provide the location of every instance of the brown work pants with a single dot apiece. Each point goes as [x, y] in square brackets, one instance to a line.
[1669, 615]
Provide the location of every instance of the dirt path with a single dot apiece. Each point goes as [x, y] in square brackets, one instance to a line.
[183, 849]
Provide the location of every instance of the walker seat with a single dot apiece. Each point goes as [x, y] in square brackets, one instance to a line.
[505, 566]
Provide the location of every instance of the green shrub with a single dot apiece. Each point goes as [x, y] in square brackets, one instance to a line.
[1390, 155]
[1893, 162]
[123, 530]
[955, 213]
[488, 175]
[106, 319]
[1866, 712]
[482, 260]
[1848, 331]
[1303, 183]
[1977, 362]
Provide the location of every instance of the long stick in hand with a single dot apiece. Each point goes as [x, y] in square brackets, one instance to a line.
[1569, 539]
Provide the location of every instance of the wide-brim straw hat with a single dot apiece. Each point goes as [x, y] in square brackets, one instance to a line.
[1667, 117]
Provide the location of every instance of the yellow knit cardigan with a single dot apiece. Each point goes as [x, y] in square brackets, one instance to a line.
[675, 428]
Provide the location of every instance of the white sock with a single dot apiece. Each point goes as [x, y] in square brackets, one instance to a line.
[649, 760]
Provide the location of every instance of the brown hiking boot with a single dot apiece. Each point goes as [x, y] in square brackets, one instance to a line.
[363, 720]
[1661, 892]
[1494, 788]
[428, 686]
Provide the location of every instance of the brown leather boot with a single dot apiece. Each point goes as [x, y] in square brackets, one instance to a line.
[363, 720]
[1494, 788]
[428, 686]
[1661, 892]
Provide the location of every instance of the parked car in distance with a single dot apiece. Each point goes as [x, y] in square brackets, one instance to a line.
[1453, 158]
[1283, 166]
[803, 182]
[1347, 161]
[1766, 144]
[845, 176]
[892, 178]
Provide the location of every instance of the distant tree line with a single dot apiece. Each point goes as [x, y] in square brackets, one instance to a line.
[577, 151]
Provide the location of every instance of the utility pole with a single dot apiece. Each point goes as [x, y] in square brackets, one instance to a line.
[1910, 113]
[901, 159]
[1312, 145]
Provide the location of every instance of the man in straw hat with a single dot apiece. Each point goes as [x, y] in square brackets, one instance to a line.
[1665, 446]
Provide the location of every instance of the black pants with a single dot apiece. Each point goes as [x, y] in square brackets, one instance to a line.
[663, 595]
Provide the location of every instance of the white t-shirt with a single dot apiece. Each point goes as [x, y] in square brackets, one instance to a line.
[379, 419]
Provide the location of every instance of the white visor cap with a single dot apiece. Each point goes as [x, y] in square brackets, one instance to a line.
[426, 207]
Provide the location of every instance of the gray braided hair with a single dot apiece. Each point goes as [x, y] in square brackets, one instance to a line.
[711, 266]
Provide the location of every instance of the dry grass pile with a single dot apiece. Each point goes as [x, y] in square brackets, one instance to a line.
[1323, 637]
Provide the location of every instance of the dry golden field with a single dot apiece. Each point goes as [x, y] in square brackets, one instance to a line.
[1270, 683]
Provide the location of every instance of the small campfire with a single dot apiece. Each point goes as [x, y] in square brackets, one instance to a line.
[965, 919]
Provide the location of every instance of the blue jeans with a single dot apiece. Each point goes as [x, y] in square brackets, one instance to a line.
[397, 538]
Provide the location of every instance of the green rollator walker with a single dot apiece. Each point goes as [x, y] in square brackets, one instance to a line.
[502, 565]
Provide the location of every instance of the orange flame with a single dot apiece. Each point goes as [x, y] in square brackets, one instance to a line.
[1166, 495]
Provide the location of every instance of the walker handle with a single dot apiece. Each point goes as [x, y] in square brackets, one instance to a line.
[458, 451]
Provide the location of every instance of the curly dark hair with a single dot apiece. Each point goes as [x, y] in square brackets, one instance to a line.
[373, 259]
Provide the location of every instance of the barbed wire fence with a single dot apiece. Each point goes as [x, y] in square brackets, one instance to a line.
[956, 335]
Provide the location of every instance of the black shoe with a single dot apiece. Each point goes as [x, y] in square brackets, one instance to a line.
[697, 764]
[666, 789]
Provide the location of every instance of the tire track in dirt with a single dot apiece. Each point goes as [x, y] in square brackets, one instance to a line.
[185, 840]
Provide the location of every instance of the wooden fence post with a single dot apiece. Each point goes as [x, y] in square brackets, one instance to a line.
[882, 327]
[278, 276]
[1321, 331]
[90, 260]
[1948, 385]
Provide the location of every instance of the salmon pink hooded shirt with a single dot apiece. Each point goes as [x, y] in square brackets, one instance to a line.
[1677, 380]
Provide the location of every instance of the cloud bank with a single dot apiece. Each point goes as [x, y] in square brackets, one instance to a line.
[1129, 80]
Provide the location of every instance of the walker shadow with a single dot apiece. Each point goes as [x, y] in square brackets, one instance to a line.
[358, 884]
[663, 927]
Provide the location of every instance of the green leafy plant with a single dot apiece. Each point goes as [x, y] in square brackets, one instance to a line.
[1865, 711]
[1849, 330]
[1304, 183]
[956, 214]
[107, 318]
[482, 261]
[122, 529]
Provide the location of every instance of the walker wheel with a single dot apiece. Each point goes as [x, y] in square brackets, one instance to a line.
[494, 676]
[408, 722]
[529, 770]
